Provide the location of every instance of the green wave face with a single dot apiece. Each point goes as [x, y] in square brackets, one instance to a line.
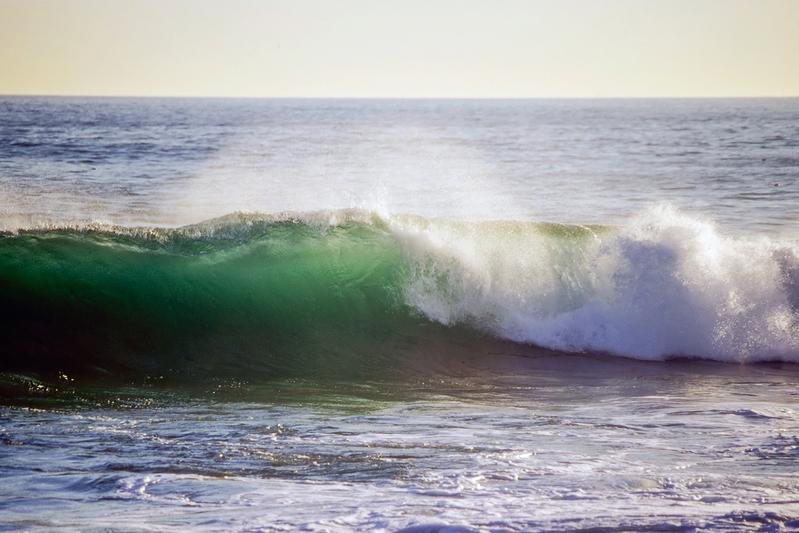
[351, 294]
[269, 298]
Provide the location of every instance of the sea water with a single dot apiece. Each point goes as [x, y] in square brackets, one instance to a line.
[342, 315]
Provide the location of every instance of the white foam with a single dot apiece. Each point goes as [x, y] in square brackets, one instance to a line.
[666, 284]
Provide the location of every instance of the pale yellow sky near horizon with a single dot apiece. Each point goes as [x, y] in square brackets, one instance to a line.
[409, 48]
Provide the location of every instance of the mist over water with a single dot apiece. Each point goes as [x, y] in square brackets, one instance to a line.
[173, 161]
[339, 315]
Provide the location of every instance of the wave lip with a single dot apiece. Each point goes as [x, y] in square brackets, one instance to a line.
[350, 288]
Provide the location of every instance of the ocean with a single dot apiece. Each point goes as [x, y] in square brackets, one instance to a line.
[386, 315]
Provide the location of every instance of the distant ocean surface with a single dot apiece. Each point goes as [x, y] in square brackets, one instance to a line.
[179, 161]
[334, 315]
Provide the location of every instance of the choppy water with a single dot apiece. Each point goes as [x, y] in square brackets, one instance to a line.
[458, 350]
[530, 445]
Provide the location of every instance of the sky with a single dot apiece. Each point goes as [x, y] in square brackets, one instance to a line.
[400, 48]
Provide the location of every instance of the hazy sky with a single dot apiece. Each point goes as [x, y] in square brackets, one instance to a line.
[416, 48]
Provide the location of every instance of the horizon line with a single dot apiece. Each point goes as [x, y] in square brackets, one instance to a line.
[263, 97]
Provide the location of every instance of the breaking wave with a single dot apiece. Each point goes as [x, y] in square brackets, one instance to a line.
[346, 289]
